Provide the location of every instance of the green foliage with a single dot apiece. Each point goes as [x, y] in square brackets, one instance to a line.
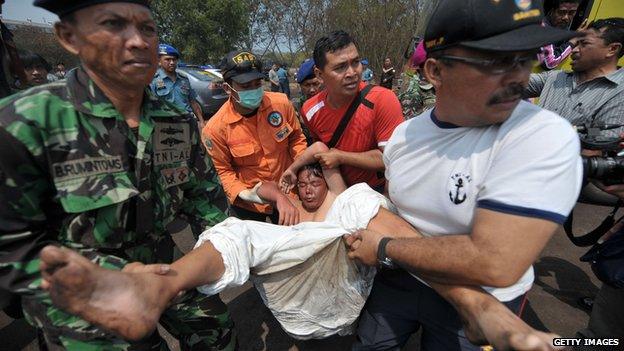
[202, 30]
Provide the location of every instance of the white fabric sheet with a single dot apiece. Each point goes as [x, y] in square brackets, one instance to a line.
[322, 297]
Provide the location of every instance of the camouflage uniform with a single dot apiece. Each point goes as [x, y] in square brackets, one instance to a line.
[417, 97]
[298, 104]
[73, 173]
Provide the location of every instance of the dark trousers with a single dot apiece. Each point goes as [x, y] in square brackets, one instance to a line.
[285, 87]
[245, 214]
[607, 316]
[400, 304]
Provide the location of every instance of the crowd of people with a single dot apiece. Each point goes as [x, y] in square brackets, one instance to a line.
[96, 167]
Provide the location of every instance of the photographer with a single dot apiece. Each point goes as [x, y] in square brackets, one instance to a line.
[607, 316]
[592, 93]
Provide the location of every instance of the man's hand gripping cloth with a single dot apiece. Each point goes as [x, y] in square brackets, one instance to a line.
[302, 272]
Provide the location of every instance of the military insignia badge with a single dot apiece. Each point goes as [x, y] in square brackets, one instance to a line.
[172, 143]
[175, 176]
[243, 56]
[160, 84]
[275, 119]
[208, 143]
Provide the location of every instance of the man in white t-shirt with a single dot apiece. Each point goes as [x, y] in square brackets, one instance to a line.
[485, 177]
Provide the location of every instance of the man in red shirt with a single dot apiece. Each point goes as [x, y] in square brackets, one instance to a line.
[358, 151]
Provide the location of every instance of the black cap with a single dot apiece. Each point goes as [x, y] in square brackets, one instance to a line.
[494, 25]
[65, 7]
[241, 66]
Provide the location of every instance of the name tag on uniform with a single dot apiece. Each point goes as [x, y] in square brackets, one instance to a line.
[282, 133]
[172, 143]
[86, 167]
[175, 176]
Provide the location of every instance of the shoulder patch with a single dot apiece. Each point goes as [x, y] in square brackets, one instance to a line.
[275, 119]
[207, 142]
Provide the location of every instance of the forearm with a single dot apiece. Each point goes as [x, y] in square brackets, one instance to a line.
[197, 111]
[467, 300]
[269, 192]
[370, 160]
[308, 156]
[411, 251]
[452, 259]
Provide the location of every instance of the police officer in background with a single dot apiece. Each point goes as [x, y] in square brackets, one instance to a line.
[98, 163]
[310, 85]
[308, 82]
[367, 73]
[171, 86]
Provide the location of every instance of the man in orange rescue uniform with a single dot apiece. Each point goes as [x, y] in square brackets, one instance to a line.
[253, 138]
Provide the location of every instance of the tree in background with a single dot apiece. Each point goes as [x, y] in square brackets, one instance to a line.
[42, 41]
[382, 28]
[203, 30]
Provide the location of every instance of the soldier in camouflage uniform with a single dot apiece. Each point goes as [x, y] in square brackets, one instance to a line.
[417, 97]
[419, 94]
[75, 171]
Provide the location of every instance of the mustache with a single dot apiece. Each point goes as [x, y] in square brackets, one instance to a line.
[513, 91]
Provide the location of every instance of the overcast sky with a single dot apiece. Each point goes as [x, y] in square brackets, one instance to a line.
[23, 10]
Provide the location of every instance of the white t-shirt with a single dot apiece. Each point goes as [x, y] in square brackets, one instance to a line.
[438, 173]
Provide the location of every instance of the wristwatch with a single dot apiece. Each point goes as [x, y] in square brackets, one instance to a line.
[383, 260]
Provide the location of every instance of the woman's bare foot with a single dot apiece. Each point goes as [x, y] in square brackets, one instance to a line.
[493, 323]
[127, 304]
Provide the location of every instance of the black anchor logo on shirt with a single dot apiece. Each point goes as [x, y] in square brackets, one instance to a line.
[458, 194]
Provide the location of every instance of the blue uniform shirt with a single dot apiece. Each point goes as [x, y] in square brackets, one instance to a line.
[282, 74]
[179, 92]
[367, 75]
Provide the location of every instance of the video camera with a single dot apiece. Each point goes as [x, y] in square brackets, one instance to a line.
[609, 168]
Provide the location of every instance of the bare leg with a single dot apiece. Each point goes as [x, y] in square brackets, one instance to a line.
[128, 304]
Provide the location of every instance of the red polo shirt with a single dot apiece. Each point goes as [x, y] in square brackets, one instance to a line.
[370, 128]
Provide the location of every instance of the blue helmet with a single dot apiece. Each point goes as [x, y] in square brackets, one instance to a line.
[306, 71]
[164, 49]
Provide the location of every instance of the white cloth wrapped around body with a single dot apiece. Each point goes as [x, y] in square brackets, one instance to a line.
[302, 272]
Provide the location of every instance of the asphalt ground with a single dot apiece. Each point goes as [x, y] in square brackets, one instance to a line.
[561, 279]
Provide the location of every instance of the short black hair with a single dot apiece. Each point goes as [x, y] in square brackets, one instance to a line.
[612, 31]
[31, 60]
[557, 3]
[335, 40]
[314, 168]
